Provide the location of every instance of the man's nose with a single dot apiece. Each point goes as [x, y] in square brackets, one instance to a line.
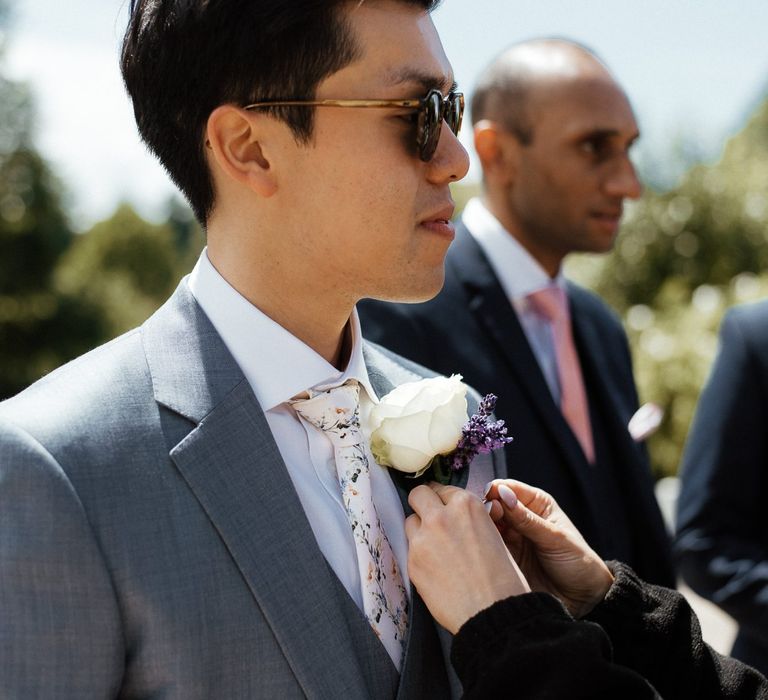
[450, 161]
[623, 181]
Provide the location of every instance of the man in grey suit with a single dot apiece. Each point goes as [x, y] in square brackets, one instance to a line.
[170, 526]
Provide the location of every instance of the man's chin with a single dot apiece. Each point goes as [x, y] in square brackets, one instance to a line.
[601, 247]
[603, 234]
[416, 290]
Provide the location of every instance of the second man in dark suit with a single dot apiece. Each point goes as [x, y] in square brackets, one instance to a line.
[722, 539]
[553, 132]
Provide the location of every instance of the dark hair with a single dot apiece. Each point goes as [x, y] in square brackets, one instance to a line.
[503, 90]
[183, 58]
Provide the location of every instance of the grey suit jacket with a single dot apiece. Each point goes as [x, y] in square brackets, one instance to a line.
[152, 544]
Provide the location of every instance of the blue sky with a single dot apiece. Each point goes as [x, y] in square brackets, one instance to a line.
[693, 69]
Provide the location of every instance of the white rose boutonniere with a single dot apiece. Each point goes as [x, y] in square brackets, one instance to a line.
[418, 421]
[425, 423]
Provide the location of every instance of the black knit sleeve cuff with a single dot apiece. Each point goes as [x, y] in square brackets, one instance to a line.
[626, 597]
[494, 626]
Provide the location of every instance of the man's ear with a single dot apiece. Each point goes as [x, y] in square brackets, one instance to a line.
[499, 152]
[239, 144]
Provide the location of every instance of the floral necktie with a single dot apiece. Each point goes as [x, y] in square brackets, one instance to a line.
[337, 413]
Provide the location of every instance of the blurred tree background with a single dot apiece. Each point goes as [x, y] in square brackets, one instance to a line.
[683, 257]
[61, 292]
[691, 247]
[34, 233]
[685, 254]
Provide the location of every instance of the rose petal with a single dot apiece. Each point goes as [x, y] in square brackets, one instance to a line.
[411, 431]
[401, 395]
[381, 412]
[435, 392]
[447, 422]
[418, 420]
[406, 459]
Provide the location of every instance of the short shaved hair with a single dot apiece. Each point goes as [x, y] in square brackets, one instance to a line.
[503, 90]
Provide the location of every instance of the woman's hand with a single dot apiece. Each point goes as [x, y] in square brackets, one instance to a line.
[456, 557]
[551, 552]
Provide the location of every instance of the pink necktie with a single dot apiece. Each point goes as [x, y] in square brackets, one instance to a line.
[337, 413]
[552, 304]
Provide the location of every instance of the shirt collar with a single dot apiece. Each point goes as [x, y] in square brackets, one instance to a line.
[517, 270]
[277, 365]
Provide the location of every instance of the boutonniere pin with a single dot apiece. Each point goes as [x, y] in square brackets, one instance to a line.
[424, 424]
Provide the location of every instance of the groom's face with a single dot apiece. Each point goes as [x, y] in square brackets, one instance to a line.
[373, 215]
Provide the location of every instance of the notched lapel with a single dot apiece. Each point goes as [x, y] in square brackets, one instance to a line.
[488, 302]
[235, 470]
[426, 671]
[385, 374]
[605, 387]
[233, 466]
[634, 475]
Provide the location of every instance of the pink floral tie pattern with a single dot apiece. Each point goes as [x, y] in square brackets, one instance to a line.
[337, 413]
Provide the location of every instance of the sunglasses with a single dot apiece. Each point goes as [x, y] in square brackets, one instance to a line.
[432, 110]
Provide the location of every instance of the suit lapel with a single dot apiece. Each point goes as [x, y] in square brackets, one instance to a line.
[232, 464]
[488, 302]
[426, 670]
[616, 412]
[382, 373]
[385, 374]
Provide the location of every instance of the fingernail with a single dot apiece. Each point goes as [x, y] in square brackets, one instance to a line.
[488, 487]
[488, 505]
[508, 496]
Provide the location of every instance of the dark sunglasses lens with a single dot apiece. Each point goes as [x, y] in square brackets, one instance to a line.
[429, 125]
[454, 112]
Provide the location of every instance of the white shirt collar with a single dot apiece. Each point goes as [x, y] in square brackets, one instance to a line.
[517, 270]
[277, 365]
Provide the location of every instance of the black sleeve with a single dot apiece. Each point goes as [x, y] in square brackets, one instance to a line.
[529, 647]
[654, 632]
[722, 541]
[642, 641]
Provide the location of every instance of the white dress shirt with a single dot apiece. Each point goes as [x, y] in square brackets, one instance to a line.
[519, 275]
[278, 367]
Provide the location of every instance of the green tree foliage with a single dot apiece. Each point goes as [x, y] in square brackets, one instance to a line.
[706, 231]
[126, 267]
[35, 231]
[673, 346]
[62, 293]
[683, 257]
[39, 328]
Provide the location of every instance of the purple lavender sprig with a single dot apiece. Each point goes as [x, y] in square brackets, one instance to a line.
[479, 435]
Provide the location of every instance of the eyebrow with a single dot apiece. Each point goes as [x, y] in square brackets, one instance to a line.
[427, 81]
[607, 134]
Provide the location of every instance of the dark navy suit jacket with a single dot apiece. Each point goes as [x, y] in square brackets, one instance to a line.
[722, 542]
[471, 328]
